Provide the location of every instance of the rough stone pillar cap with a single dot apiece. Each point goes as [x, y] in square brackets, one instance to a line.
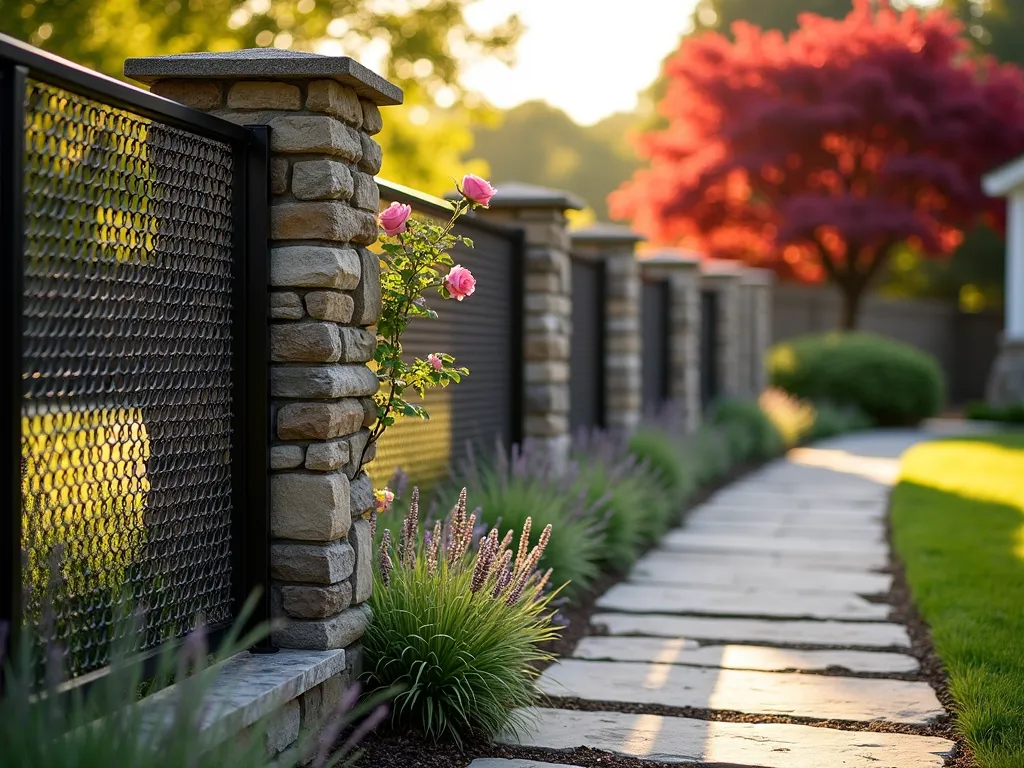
[604, 233]
[678, 257]
[519, 195]
[723, 268]
[265, 64]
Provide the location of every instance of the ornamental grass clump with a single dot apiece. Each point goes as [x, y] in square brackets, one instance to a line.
[459, 628]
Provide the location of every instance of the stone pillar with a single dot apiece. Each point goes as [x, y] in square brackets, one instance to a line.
[547, 309]
[623, 340]
[757, 287]
[724, 277]
[682, 271]
[324, 297]
[1006, 380]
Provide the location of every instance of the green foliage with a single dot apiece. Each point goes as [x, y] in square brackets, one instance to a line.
[831, 420]
[507, 497]
[46, 728]
[460, 634]
[891, 382]
[1010, 414]
[711, 451]
[752, 433]
[664, 458]
[612, 492]
[957, 516]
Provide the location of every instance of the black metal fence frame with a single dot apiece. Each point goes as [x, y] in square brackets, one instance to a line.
[250, 418]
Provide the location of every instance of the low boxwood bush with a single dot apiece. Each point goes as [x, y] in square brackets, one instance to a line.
[663, 456]
[831, 420]
[891, 382]
[1010, 414]
[459, 633]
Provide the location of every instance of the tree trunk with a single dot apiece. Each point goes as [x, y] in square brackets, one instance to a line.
[850, 310]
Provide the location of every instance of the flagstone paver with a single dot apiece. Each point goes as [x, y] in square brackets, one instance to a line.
[500, 762]
[665, 568]
[827, 633]
[653, 598]
[720, 744]
[744, 610]
[690, 652]
[824, 697]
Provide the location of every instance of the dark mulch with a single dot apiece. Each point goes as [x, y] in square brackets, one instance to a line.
[398, 750]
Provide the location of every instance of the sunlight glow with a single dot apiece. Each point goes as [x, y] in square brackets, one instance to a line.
[884, 471]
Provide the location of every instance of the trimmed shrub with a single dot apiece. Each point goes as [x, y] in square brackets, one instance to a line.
[710, 450]
[831, 420]
[1010, 414]
[610, 490]
[752, 435]
[891, 382]
[459, 634]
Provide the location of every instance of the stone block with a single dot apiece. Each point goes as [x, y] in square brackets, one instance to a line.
[278, 175]
[367, 195]
[373, 123]
[311, 706]
[315, 135]
[322, 220]
[283, 727]
[312, 563]
[286, 456]
[321, 180]
[361, 499]
[357, 345]
[285, 306]
[309, 507]
[302, 602]
[331, 455]
[316, 634]
[547, 373]
[369, 411]
[331, 306]
[545, 398]
[550, 234]
[372, 156]
[547, 260]
[354, 661]
[334, 99]
[357, 452]
[315, 266]
[543, 282]
[256, 94]
[545, 323]
[318, 421]
[333, 689]
[197, 94]
[548, 303]
[323, 382]
[367, 294]
[306, 343]
[546, 347]
[546, 425]
[362, 576]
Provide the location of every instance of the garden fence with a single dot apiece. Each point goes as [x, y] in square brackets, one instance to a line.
[587, 345]
[135, 360]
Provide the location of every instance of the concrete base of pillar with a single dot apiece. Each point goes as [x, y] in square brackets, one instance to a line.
[1006, 381]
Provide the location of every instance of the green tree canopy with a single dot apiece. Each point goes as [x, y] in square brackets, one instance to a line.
[423, 44]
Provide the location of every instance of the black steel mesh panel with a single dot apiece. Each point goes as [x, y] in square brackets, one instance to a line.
[127, 345]
[481, 332]
[586, 353]
[654, 313]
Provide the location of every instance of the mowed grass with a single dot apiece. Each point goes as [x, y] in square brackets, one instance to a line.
[958, 525]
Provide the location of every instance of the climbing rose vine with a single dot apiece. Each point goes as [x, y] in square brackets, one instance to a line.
[414, 262]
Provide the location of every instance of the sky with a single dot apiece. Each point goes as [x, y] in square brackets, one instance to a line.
[588, 57]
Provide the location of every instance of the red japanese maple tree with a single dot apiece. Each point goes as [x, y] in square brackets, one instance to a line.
[817, 154]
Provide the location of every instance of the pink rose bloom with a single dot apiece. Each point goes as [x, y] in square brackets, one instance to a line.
[383, 499]
[476, 189]
[460, 282]
[394, 218]
[435, 361]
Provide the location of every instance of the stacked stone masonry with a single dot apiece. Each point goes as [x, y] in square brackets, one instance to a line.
[324, 299]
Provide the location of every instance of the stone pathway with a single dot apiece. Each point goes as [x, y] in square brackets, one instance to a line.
[766, 604]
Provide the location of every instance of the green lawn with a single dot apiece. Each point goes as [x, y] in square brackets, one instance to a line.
[958, 525]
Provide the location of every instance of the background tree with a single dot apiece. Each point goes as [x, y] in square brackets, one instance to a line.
[719, 15]
[422, 44]
[820, 154]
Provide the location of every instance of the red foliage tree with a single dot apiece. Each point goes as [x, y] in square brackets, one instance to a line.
[817, 154]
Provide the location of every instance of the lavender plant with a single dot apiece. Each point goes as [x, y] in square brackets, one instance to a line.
[459, 628]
